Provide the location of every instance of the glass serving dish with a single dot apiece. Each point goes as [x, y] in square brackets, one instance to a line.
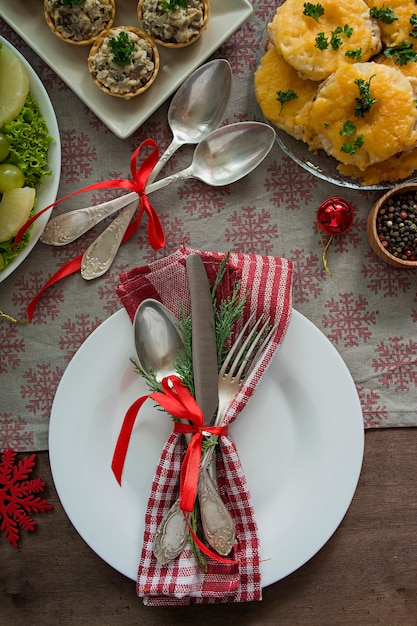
[319, 164]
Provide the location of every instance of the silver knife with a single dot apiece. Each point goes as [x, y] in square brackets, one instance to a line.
[218, 526]
[203, 337]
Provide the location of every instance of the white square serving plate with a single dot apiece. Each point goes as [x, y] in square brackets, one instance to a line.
[69, 62]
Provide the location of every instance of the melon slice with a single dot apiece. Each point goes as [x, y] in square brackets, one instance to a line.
[14, 85]
[15, 208]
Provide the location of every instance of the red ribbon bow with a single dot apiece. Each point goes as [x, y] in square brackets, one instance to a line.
[179, 402]
[140, 177]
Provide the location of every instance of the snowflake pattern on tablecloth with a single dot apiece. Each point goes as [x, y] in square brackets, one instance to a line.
[17, 496]
[75, 331]
[198, 199]
[107, 291]
[384, 280]
[251, 229]
[78, 155]
[14, 433]
[374, 413]
[396, 363]
[12, 347]
[308, 276]
[28, 286]
[39, 390]
[238, 50]
[349, 320]
[289, 187]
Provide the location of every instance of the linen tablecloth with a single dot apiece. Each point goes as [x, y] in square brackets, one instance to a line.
[369, 313]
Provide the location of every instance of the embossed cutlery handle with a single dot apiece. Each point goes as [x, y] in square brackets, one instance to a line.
[67, 227]
[218, 526]
[100, 254]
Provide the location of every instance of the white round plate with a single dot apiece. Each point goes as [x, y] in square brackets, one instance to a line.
[46, 194]
[300, 440]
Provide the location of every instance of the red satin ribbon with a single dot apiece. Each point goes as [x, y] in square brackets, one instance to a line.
[140, 177]
[179, 402]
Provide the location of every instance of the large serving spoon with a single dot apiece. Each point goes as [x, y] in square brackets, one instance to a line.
[225, 156]
[159, 343]
[197, 109]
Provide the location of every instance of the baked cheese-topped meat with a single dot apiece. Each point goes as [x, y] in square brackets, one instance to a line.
[280, 92]
[363, 114]
[396, 167]
[396, 21]
[408, 69]
[316, 38]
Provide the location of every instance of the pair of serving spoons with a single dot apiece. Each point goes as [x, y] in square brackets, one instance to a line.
[222, 156]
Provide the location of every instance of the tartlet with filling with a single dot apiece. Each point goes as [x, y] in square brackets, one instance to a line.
[79, 22]
[174, 23]
[123, 62]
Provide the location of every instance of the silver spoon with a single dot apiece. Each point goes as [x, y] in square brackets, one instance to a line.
[158, 343]
[225, 156]
[197, 109]
[158, 340]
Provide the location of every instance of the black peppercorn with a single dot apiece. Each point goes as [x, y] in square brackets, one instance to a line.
[396, 226]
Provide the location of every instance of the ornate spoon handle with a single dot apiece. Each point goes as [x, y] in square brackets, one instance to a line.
[100, 254]
[171, 536]
[217, 523]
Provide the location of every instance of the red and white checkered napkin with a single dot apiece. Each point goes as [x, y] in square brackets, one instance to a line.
[181, 582]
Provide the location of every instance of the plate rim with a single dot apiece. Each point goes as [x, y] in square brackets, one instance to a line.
[47, 192]
[59, 474]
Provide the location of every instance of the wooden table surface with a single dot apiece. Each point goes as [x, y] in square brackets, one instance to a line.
[365, 575]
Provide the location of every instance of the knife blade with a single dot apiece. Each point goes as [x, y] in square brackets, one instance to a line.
[203, 337]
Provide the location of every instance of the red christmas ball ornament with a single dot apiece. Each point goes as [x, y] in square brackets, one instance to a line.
[335, 216]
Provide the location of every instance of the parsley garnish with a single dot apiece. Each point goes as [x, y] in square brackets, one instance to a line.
[385, 14]
[402, 53]
[286, 96]
[321, 41]
[71, 3]
[171, 5]
[350, 147]
[313, 10]
[348, 130]
[354, 54]
[365, 100]
[335, 40]
[121, 48]
[413, 22]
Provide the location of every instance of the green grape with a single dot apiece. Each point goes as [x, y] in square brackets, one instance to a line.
[4, 147]
[11, 177]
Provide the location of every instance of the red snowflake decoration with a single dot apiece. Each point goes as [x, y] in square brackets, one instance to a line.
[16, 496]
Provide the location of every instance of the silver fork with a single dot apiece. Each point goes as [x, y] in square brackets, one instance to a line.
[172, 534]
